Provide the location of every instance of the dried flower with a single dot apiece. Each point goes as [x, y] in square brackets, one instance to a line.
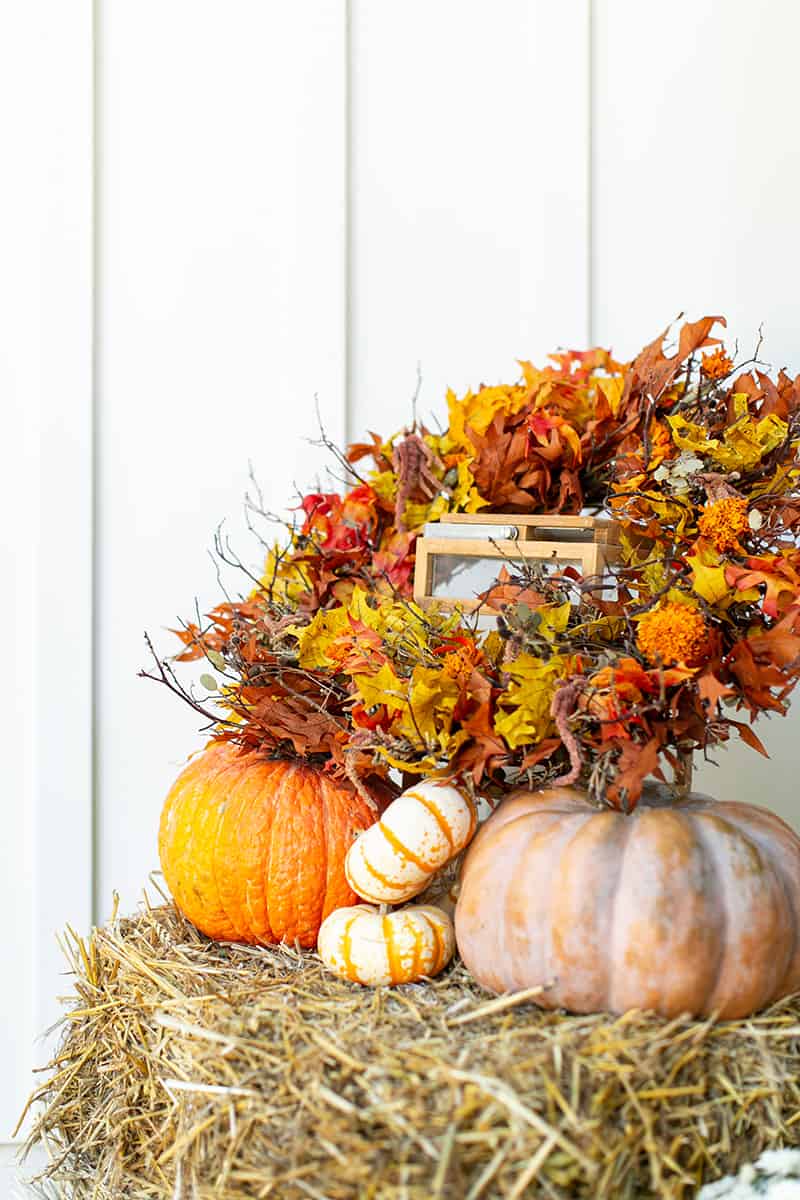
[724, 521]
[716, 365]
[672, 633]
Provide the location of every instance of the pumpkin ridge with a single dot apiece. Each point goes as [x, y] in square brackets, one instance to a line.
[549, 955]
[183, 812]
[324, 807]
[396, 844]
[564, 833]
[715, 818]
[504, 897]
[775, 863]
[443, 824]
[391, 949]
[580, 922]
[234, 924]
[303, 899]
[710, 847]
[347, 950]
[383, 879]
[278, 823]
[239, 927]
[266, 771]
[613, 955]
[194, 798]
[437, 938]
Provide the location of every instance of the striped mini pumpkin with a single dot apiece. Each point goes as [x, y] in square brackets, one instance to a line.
[365, 946]
[419, 833]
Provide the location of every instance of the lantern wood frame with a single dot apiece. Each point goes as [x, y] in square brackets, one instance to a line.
[594, 547]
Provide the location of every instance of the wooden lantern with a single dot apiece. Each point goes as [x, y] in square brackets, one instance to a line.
[460, 557]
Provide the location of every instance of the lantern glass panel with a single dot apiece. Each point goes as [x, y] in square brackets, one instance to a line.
[460, 577]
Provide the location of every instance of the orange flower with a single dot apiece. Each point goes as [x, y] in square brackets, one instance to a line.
[724, 521]
[458, 665]
[717, 364]
[673, 633]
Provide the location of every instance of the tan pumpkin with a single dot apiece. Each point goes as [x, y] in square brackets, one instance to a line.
[380, 949]
[420, 831]
[253, 850]
[678, 907]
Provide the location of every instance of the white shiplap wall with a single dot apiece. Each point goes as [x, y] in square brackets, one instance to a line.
[469, 196]
[221, 312]
[46, 504]
[696, 172]
[308, 199]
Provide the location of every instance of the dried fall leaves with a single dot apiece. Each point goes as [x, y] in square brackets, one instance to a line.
[329, 658]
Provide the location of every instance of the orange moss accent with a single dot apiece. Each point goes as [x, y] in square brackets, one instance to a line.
[716, 365]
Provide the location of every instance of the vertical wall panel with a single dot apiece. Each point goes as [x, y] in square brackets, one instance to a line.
[469, 196]
[45, 498]
[696, 173]
[221, 313]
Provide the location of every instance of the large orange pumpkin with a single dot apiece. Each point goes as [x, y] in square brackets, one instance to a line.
[253, 850]
[678, 907]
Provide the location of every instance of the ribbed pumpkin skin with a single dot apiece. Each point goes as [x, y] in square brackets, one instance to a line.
[691, 907]
[417, 834]
[253, 851]
[379, 950]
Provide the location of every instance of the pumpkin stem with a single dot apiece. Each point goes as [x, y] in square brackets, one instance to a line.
[682, 770]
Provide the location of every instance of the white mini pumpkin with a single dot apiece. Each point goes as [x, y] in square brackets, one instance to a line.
[420, 831]
[366, 946]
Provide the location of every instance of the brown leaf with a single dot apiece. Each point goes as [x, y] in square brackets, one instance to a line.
[635, 763]
[712, 690]
[747, 735]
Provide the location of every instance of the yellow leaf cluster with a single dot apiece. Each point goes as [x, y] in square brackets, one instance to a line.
[523, 715]
[422, 709]
[477, 410]
[553, 619]
[708, 579]
[745, 442]
[397, 624]
[612, 388]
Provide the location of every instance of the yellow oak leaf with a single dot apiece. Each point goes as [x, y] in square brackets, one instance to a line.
[553, 619]
[434, 764]
[688, 436]
[708, 576]
[384, 485]
[314, 639]
[384, 687]
[493, 647]
[523, 715]
[428, 711]
[466, 497]
[673, 512]
[745, 442]
[612, 388]
[477, 410]
[748, 441]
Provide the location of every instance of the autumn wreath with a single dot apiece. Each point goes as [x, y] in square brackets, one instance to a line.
[328, 658]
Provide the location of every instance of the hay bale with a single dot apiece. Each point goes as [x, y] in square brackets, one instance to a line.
[189, 1069]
